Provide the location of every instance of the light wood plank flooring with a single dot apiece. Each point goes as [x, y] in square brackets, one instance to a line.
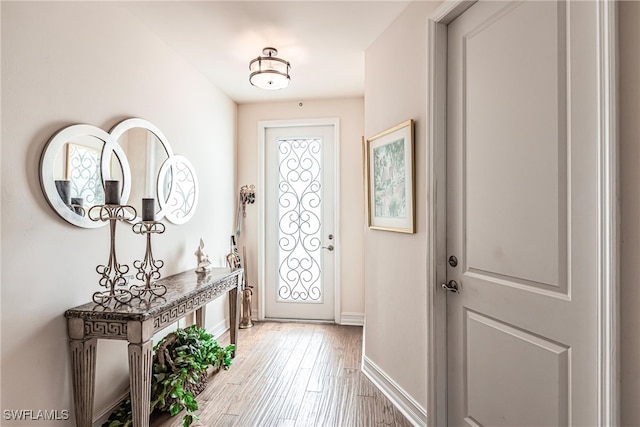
[293, 374]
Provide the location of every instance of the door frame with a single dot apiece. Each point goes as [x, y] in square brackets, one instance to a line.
[608, 213]
[263, 125]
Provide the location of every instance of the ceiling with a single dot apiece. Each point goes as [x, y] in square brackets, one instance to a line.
[323, 40]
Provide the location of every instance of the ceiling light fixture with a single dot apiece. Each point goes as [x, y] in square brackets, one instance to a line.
[269, 72]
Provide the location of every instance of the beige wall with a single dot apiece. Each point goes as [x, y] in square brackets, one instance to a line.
[351, 114]
[395, 263]
[399, 259]
[629, 90]
[75, 62]
[52, 77]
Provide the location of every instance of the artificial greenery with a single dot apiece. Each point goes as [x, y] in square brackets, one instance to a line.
[179, 365]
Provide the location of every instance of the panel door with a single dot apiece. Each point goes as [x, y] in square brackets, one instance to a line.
[299, 217]
[522, 214]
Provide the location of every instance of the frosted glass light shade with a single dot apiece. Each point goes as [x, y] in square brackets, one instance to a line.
[269, 72]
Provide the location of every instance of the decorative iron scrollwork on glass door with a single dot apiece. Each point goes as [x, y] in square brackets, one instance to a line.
[300, 220]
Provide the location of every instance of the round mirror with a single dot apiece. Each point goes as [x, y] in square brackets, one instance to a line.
[73, 167]
[146, 149]
[178, 189]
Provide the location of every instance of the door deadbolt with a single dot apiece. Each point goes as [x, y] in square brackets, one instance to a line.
[453, 261]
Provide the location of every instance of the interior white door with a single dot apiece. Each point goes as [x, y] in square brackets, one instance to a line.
[299, 222]
[522, 199]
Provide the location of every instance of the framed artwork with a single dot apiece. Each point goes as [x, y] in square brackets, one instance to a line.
[390, 181]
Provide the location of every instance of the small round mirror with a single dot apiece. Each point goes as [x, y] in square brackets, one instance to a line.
[178, 189]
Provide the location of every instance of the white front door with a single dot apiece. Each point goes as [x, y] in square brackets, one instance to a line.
[522, 215]
[299, 233]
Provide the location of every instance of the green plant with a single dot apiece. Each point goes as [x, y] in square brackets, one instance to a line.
[179, 372]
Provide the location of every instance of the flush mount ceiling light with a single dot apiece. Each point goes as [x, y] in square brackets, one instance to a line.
[269, 72]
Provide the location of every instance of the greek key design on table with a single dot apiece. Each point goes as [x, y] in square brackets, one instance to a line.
[105, 329]
[177, 312]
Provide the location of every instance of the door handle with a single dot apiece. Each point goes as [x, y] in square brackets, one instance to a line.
[329, 248]
[452, 286]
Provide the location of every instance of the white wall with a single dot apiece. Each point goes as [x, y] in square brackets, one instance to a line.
[629, 89]
[395, 263]
[75, 62]
[351, 115]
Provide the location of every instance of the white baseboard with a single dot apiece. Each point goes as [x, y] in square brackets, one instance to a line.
[346, 318]
[219, 329]
[351, 319]
[415, 413]
[104, 415]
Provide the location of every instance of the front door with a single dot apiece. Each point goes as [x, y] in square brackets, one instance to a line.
[522, 200]
[299, 222]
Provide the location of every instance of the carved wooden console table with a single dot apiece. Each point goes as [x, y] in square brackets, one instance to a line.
[137, 322]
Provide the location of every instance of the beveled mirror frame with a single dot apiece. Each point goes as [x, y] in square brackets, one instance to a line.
[178, 168]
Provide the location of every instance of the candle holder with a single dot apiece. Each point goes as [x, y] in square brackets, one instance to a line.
[112, 274]
[77, 206]
[148, 268]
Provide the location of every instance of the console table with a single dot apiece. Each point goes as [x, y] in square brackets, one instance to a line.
[137, 322]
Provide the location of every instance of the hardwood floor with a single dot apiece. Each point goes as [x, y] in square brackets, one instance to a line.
[293, 374]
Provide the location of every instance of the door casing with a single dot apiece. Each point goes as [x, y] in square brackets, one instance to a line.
[608, 327]
[262, 127]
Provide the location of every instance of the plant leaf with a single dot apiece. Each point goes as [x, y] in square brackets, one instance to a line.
[175, 409]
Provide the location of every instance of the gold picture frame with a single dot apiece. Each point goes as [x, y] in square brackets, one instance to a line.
[390, 179]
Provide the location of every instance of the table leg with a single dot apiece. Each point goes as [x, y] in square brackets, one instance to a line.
[140, 364]
[234, 317]
[200, 316]
[83, 365]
